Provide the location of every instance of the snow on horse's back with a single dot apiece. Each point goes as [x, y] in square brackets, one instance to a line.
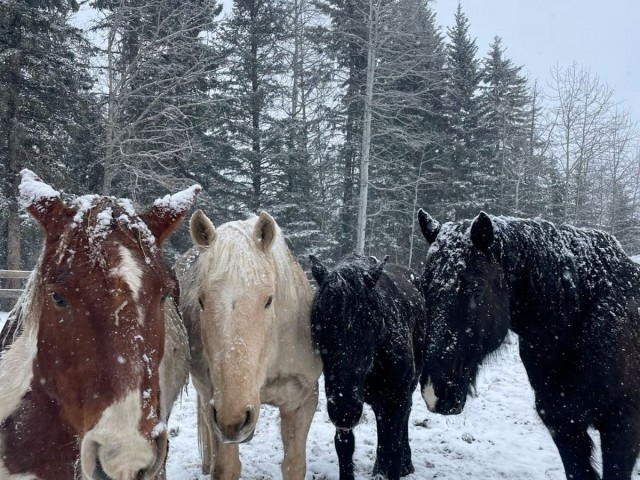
[80, 388]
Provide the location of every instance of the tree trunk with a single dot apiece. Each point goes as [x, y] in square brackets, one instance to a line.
[15, 160]
[366, 130]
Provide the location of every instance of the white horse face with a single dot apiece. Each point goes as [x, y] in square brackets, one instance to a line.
[237, 301]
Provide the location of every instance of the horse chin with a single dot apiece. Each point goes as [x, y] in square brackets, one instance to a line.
[346, 418]
[455, 409]
[241, 439]
[451, 402]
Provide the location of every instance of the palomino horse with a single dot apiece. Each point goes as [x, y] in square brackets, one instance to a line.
[86, 379]
[572, 296]
[246, 306]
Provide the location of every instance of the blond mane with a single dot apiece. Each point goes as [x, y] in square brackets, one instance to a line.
[235, 256]
[16, 361]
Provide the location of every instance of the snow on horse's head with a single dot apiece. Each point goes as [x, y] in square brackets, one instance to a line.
[81, 379]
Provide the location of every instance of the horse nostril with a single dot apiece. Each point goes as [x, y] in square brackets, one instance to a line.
[214, 412]
[248, 416]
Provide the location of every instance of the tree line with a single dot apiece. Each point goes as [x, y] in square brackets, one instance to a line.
[339, 117]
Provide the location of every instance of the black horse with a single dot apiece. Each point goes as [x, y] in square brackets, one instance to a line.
[572, 296]
[369, 325]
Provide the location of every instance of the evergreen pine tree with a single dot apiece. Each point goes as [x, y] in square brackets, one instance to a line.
[462, 112]
[253, 38]
[407, 124]
[44, 97]
[502, 132]
[346, 40]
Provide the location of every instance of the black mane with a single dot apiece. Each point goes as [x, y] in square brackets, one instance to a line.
[345, 286]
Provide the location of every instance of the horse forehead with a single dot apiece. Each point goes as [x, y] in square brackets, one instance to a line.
[114, 261]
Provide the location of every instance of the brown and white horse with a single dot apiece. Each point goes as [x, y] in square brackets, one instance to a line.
[246, 306]
[81, 393]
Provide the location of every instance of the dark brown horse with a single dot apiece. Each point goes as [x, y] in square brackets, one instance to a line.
[83, 393]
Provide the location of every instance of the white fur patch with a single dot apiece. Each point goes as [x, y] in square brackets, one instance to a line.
[129, 270]
[117, 441]
[16, 371]
[429, 396]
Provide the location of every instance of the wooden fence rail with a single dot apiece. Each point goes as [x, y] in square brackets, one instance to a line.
[12, 292]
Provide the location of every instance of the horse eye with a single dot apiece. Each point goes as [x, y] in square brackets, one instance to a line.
[58, 300]
[163, 297]
[201, 304]
[269, 301]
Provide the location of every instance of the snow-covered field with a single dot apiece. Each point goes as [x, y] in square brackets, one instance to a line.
[497, 436]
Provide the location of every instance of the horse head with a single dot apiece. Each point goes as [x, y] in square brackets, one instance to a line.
[237, 295]
[467, 307]
[346, 323]
[98, 307]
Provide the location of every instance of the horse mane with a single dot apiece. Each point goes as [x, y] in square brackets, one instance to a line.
[236, 255]
[347, 280]
[520, 239]
[18, 346]
[574, 254]
[349, 272]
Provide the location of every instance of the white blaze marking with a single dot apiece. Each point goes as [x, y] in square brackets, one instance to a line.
[129, 270]
[429, 395]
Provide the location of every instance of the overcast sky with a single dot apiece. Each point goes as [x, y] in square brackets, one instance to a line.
[601, 35]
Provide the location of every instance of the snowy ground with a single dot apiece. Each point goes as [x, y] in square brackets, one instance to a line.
[497, 436]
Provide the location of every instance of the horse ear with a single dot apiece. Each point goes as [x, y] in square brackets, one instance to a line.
[482, 232]
[202, 231]
[165, 214]
[42, 201]
[265, 231]
[373, 275]
[318, 270]
[429, 226]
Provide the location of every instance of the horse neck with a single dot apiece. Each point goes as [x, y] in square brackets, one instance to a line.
[546, 285]
[29, 433]
[514, 253]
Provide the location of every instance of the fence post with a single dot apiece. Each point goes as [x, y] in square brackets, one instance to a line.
[8, 296]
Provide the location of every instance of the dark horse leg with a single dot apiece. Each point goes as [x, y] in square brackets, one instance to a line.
[407, 464]
[620, 442]
[573, 443]
[345, 445]
[392, 425]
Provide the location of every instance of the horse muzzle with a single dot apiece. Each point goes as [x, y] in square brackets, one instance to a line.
[345, 415]
[102, 460]
[239, 430]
